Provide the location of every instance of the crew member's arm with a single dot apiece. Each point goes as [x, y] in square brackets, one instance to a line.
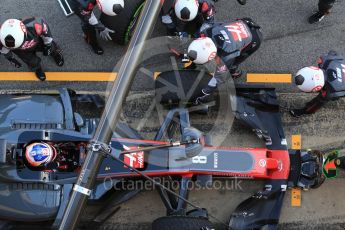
[316, 103]
[88, 17]
[324, 60]
[208, 10]
[221, 74]
[9, 56]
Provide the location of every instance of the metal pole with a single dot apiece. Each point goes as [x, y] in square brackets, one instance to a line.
[110, 116]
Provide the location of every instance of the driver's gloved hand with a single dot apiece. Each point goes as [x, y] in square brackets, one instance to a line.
[297, 112]
[205, 96]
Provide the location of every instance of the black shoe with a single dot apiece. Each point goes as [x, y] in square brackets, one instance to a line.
[316, 17]
[59, 60]
[97, 49]
[242, 2]
[94, 45]
[297, 112]
[40, 74]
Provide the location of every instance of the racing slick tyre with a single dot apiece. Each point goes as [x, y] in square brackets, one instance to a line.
[124, 23]
[181, 223]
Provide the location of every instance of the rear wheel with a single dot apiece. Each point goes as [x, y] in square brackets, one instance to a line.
[124, 23]
[182, 223]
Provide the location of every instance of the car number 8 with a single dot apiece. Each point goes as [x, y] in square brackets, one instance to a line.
[199, 160]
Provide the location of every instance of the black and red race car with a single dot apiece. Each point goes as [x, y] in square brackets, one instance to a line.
[40, 194]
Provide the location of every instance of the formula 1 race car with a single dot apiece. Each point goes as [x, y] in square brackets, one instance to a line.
[43, 150]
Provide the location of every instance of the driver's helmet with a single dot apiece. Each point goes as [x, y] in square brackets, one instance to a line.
[310, 79]
[39, 154]
[202, 50]
[111, 7]
[186, 10]
[12, 33]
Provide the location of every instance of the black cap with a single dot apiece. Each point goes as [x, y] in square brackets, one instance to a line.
[117, 8]
[299, 79]
[185, 13]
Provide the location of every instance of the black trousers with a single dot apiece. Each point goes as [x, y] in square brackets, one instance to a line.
[30, 57]
[90, 34]
[325, 6]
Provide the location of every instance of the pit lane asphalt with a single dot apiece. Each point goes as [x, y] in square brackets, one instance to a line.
[290, 43]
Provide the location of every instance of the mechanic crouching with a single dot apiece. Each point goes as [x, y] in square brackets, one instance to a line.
[90, 24]
[229, 44]
[327, 79]
[27, 37]
[184, 17]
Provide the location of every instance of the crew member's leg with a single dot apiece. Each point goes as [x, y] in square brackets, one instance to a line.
[90, 34]
[324, 9]
[33, 61]
[57, 54]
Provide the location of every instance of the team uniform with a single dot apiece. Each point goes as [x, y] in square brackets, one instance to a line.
[333, 67]
[90, 24]
[176, 26]
[38, 39]
[235, 42]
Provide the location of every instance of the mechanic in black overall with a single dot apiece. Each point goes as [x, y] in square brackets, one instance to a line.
[324, 8]
[25, 38]
[187, 17]
[90, 24]
[229, 44]
[328, 80]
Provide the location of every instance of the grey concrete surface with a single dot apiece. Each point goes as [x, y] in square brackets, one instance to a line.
[290, 43]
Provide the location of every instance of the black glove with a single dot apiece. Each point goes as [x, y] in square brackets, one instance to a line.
[48, 49]
[14, 62]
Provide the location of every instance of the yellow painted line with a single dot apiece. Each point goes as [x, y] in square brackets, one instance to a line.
[59, 76]
[296, 142]
[296, 197]
[268, 78]
[156, 74]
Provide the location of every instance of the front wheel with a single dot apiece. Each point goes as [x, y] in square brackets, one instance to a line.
[182, 223]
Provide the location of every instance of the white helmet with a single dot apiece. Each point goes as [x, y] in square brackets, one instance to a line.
[12, 33]
[186, 10]
[310, 79]
[111, 7]
[202, 50]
